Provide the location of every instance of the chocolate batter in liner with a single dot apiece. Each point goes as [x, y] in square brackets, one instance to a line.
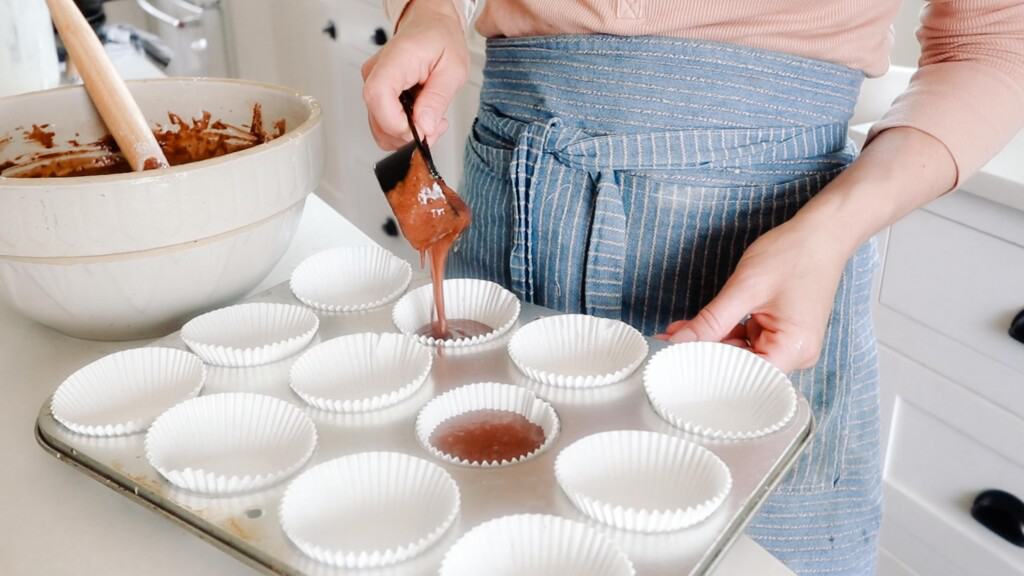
[487, 436]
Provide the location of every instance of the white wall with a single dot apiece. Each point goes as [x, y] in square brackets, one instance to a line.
[906, 49]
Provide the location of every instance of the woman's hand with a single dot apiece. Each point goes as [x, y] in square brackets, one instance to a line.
[429, 48]
[785, 282]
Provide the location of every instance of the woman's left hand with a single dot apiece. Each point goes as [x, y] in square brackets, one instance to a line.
[785, 283]
[784, 286]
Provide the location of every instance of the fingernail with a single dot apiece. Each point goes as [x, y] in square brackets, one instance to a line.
[662, 336]
[684, 335]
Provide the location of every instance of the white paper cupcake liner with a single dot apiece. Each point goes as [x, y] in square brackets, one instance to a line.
[124, 392]
[719, 391]
[535, 545]
[361, 372]
[486, 396]
[577, 351]
[250, 334]
[350, 279]
[642, 481]
[369, 510]
[465, 299]
[228, 443]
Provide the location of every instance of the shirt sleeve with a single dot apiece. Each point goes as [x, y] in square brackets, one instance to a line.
[968, 91]
[395, 8]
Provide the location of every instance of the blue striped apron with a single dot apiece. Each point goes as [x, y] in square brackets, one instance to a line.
[624, 176]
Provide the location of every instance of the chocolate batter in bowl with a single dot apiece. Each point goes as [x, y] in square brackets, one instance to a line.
[182, 142]
[128, 255]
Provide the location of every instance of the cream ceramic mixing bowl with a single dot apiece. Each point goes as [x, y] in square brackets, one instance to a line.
[127, 256]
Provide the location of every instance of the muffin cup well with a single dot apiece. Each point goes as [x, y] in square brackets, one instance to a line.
[361, 372]
[577, 351]
[230, 443]
[719, 391]
[391, 508]
[486, 396]
[350, 279]
[642, 481]
[250, 334]
[123, 393]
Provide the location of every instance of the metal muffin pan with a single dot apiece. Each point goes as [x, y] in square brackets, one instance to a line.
[247, 526]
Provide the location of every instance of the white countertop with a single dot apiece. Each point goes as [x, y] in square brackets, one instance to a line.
[57, 521]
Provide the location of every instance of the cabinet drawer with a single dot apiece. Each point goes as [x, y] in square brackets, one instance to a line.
[958, 281]
[946, 445]
[357, 25]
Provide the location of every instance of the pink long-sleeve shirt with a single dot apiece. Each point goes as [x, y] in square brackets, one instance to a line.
[968, 91]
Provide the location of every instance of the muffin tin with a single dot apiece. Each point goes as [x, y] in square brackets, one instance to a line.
[248, 525]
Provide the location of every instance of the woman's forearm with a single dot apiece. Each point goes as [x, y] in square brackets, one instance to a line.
[900, 170]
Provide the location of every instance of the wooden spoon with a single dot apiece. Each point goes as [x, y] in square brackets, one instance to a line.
[106, 88]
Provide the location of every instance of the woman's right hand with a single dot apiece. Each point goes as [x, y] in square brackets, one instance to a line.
[429, 48]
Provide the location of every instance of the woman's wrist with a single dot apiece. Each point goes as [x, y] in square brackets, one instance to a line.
[901, 170]
[839, 215]
[443, 8]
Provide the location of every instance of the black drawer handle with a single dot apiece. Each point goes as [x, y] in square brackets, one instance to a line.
[331, 30]
[1002, 513]
[380, 37]
[1017, 327]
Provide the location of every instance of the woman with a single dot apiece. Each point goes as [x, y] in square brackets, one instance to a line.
[684, 167]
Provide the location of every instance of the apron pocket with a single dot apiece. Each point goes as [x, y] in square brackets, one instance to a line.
[684, 240]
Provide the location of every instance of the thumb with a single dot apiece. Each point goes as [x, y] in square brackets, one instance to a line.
[714, 322]
[435, 97]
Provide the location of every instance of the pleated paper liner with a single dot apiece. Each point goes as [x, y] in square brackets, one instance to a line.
[486, 396]
[230, 443]
[250, 334]
[465, 299]
[350, 279]
[124, 392]
[361, 372]
[577, 351]
[642, 481]
[369, 510]
[535, 545]
[719, 391]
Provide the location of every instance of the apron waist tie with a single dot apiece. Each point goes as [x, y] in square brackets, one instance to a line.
[543, 145]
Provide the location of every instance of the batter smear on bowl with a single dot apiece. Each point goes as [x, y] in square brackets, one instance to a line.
[182, 142]
[487, 436]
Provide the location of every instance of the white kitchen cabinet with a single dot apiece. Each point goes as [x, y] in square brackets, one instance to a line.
[952, 384]
[318, 47]
[952, 378]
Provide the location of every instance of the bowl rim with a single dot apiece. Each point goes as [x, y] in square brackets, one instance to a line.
[308, 125]
[149, 252]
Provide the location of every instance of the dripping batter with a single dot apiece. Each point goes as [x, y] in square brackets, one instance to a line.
[432, 216]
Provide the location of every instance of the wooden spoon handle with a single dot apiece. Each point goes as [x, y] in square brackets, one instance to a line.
[108, 92]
